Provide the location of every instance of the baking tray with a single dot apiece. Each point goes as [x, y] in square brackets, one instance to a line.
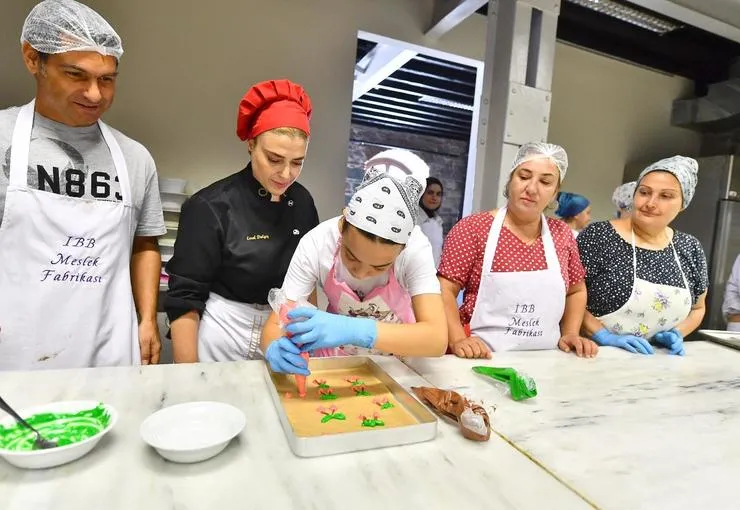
[729, 339]
[425, 428]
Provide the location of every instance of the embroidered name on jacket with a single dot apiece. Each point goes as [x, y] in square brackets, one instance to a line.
[258, 237]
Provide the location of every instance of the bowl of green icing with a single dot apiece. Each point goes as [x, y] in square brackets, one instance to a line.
[76, 426]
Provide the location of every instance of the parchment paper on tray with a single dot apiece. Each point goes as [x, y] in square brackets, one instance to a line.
[472, 418]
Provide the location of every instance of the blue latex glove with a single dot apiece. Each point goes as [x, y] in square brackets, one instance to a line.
[314, 329]
[284, 356]
[630, 343]
[671, 339]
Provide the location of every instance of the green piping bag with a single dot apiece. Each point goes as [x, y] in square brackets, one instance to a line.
[521, 386]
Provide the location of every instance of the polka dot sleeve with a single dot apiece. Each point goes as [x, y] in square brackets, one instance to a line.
[589, 247]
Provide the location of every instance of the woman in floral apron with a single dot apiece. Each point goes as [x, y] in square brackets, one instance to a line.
[376, 269]
[646, 282]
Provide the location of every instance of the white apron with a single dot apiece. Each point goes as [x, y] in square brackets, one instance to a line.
[519, 310]
[65, 280]
[230, 330]
[733, 326]
[652, 307]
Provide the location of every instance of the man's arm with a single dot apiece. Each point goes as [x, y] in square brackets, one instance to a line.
[145, 269]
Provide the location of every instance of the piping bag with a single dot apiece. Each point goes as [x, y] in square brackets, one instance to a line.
[520, 385]
[473, 419]
[281, 306]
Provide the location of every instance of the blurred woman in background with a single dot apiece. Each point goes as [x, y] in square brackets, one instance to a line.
[575, 210]
[430, 221]
[622, 199]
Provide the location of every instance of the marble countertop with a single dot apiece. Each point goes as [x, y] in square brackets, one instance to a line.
[258, 470]
[624, 431]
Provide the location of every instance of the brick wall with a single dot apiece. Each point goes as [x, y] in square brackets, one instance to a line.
[447, 160]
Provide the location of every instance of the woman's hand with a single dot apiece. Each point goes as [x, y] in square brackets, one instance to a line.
[673, 340]
[584, 347]
[630, 343]
[471, 347]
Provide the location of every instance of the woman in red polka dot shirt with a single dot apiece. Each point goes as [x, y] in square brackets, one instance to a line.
[522, 277]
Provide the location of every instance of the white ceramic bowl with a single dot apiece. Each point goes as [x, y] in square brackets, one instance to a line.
[171, 185]
[41, 459]
[192, 432]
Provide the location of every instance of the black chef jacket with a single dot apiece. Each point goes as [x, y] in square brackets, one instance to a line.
[232, 240]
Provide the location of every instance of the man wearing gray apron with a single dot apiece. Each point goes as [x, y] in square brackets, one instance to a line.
[79, 205]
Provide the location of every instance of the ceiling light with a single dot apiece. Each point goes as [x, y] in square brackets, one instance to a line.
[446, 102]
[629, 15]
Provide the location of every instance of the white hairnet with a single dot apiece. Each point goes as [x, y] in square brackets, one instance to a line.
[623, 195]
[538, 150]
[59, 26]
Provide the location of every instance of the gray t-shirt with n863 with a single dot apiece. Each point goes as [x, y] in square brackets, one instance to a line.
[76, 162]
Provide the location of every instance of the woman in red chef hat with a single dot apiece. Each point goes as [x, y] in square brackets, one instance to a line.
[236, 237]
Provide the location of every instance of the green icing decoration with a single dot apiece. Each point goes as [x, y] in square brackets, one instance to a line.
[387, 405]
[335, 416]
[362, 393]
[64, 428]
[372, 422]
[328, 396]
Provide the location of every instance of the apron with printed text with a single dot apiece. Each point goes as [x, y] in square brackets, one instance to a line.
[65, 282]
[519, 310]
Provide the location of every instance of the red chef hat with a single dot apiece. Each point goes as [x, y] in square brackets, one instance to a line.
[273, 104]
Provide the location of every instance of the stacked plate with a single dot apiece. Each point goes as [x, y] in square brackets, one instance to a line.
[172, 192]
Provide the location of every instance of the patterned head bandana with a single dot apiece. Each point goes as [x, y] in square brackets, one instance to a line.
[686, 170]
[385, 203]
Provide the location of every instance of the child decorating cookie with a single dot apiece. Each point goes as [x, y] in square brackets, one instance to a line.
[375, 267]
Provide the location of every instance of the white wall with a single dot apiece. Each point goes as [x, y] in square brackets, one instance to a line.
[607, 113]
[184, 71]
